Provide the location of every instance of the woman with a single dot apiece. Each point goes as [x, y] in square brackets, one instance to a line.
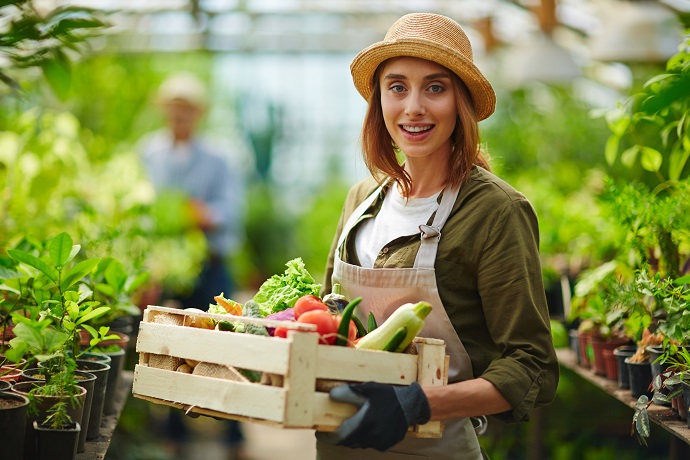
[438, 227]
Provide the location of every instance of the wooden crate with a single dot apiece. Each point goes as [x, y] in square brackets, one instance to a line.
[298, 362]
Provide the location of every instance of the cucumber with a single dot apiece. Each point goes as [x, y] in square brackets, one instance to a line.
[372, 322]
[344, 326]
[397, 338]
[361, 330]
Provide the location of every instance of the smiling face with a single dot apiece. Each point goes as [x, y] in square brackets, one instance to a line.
[419, 106]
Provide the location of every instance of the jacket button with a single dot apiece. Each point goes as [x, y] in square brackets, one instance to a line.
[385, 250]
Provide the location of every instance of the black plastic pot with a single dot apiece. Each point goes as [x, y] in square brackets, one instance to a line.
[640, 377]
[42, 406]
[13, 423]
[88, 381]
[5, 386]
[56, 444]
[100, 370]
[116, 365]
[626, 351]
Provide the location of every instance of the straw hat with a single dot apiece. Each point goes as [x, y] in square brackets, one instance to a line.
[427, 36]
[183, 87]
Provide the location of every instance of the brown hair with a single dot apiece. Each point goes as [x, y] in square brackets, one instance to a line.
[380, 153]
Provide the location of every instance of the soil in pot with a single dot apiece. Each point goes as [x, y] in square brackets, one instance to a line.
[640, 378]
[56, 444]
[626, 351]
[5, 386]
[13, 415]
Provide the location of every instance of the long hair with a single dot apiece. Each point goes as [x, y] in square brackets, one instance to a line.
[380, 153]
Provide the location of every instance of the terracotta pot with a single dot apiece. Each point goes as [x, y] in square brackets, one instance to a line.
[584, 346]
[598, 346]
[10, 374]
[610, 364]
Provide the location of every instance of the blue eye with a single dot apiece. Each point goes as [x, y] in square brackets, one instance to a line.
[436, 88]
[397, 88]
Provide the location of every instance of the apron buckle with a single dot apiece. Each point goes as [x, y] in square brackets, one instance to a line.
[429, 231]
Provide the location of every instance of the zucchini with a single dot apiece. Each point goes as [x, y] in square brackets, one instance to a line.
[410, 315]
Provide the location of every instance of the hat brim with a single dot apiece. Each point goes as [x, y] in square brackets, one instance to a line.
[365, 63]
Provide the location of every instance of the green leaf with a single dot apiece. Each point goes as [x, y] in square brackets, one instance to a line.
[611, 151]
[78, 272]
[135, 282]
[115, 275]
[57, 73]
[29, 335]
[658, 78]
[650, 159]
[100, 311]
[60, 248]
[73, 310]
[6, 273]
[676, 163]
[92, 332]
[629, 156]
[32, 261]
[17, 351]
[4, 287]
[53, 339]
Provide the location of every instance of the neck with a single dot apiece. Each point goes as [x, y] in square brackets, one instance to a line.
[428, 176]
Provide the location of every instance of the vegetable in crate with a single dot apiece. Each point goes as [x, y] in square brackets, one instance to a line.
[282, 291]
[409, 317]
[336, 301]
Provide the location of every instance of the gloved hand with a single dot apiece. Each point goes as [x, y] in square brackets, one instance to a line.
[385, 412]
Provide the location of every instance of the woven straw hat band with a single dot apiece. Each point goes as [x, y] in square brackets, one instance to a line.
[434, 28]
[432, 37]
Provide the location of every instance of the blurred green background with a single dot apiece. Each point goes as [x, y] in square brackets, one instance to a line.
[77, 94]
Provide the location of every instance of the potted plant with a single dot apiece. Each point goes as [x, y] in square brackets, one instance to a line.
[602, 316]
[54, 303]
[13, 415]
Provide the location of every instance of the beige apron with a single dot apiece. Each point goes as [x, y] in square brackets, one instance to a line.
[382, 291]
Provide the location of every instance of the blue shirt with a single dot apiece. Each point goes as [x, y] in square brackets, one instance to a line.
[202, 174]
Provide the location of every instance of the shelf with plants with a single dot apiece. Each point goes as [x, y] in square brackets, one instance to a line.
[643, 293]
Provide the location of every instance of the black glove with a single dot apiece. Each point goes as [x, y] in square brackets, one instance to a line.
[385, 412]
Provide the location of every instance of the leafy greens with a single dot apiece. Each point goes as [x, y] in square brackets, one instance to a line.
[282, 291]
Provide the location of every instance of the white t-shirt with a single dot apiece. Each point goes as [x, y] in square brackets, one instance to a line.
[398, 217]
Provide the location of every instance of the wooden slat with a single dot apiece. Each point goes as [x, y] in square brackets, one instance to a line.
[245, 351]
[300, 379]
[341, 363]
[432, 371]
[246, 399]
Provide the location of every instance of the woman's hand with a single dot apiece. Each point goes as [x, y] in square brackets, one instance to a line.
[385, 413]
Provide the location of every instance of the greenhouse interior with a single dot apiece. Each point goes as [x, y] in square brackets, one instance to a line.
[167, 162]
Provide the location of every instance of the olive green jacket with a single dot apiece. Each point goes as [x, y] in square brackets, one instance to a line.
[489, 279]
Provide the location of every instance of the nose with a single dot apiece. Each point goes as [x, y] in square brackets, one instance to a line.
[415, 106]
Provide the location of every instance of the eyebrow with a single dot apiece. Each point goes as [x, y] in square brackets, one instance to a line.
[433, 76]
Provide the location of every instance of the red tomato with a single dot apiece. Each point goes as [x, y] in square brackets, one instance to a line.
[351, 333]
[308, 303]
[280, 331]
[325, 326]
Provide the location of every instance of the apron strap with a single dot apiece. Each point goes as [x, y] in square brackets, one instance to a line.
[356, 214]
[431, 234]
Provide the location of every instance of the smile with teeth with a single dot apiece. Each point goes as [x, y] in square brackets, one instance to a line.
[416, 129]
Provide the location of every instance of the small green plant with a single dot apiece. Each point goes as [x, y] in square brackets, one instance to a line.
[53, 295]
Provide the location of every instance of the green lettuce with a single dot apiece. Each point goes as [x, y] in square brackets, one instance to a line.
[282, 291]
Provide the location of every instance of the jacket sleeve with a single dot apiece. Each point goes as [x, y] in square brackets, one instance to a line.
[512, 294]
